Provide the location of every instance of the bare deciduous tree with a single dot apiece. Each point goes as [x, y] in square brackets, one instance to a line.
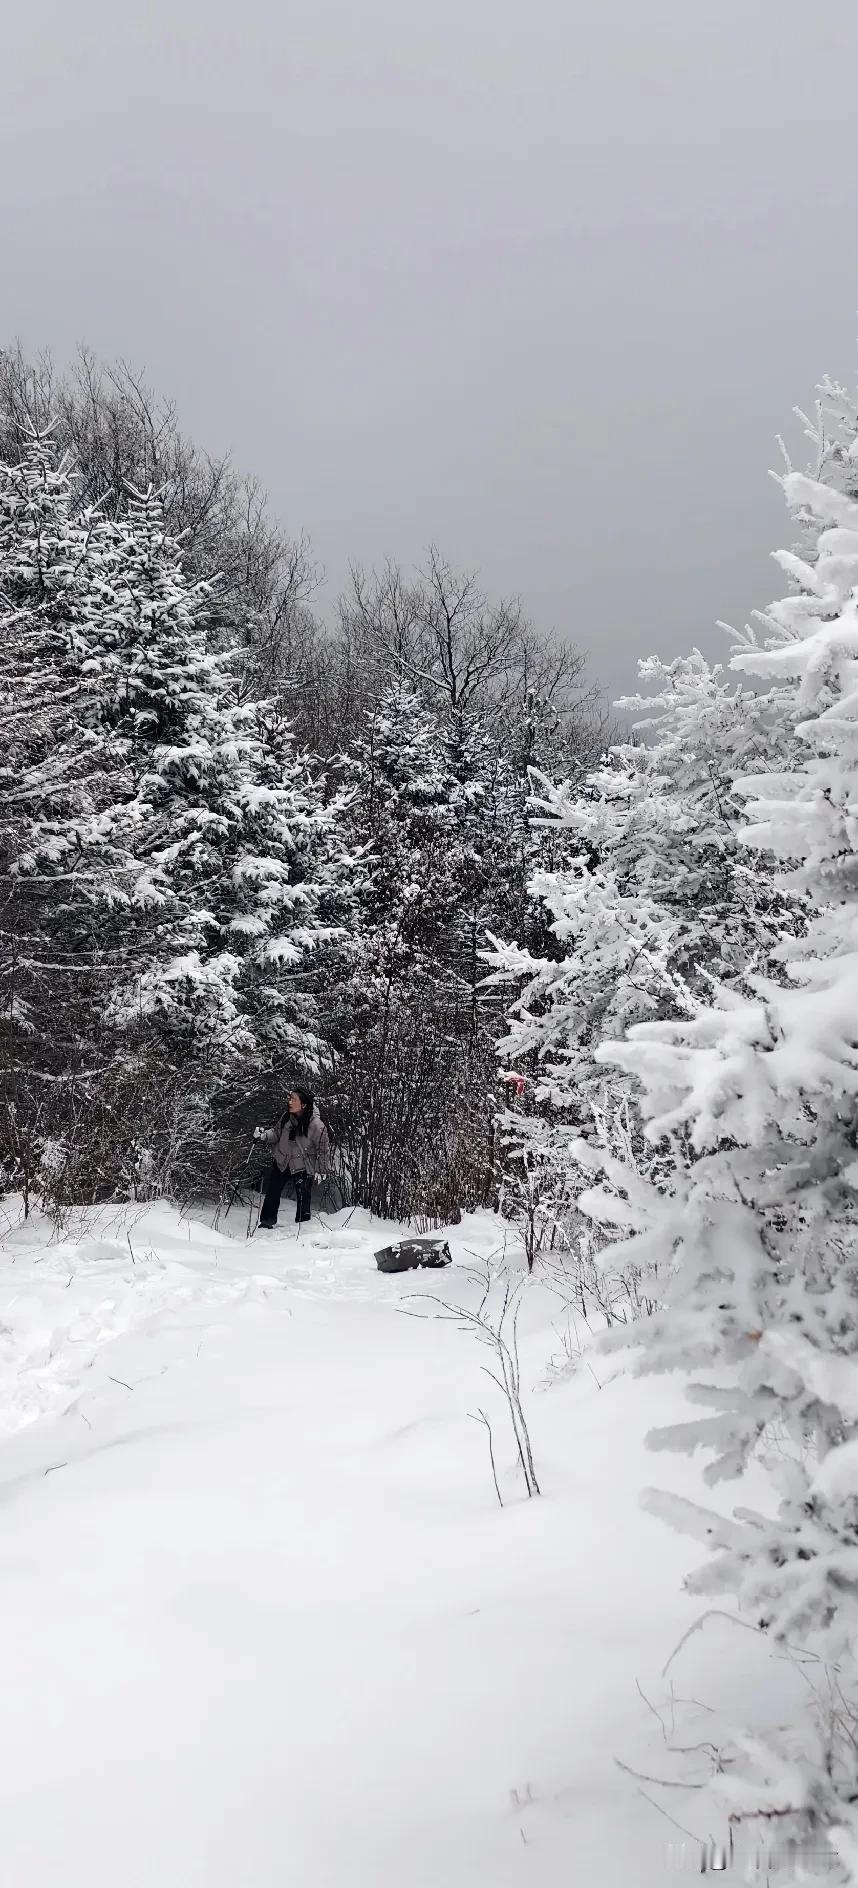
[473, 657]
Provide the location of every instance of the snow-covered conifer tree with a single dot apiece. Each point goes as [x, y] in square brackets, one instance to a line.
[64, 864]
[168, 860]
[403, 796]
[654, 897]
[756, 1092]
[394, 1000]
[231, 830]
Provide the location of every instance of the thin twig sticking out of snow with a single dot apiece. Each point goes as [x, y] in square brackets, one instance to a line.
[481, 1417]
[492, 1331]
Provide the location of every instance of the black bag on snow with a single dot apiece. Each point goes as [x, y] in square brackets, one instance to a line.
[411, 1253]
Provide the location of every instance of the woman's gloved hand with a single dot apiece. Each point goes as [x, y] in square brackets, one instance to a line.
[258, 1134]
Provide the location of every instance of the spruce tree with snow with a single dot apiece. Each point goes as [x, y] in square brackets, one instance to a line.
[232, 831]
[654, 897]
[493, 849]
[66, 868]
[288, 879]
[756, 1238]
[403, 806]
[167, 698]
[395, 1000]
[196, 858]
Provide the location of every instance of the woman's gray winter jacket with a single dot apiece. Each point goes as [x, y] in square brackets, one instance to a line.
[307, 1153]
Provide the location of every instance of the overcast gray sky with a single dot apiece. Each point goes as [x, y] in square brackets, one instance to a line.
[538, 282]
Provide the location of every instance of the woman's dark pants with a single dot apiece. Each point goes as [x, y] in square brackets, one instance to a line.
[274, 1184]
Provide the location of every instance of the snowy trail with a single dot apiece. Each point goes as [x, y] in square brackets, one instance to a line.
[262, 1620]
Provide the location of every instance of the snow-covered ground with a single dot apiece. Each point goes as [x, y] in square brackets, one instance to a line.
[262, 1620]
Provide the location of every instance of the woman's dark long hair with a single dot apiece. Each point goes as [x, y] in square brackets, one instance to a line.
[299, 1123]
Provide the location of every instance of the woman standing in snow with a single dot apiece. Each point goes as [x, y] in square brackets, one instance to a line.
[302, 1153]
